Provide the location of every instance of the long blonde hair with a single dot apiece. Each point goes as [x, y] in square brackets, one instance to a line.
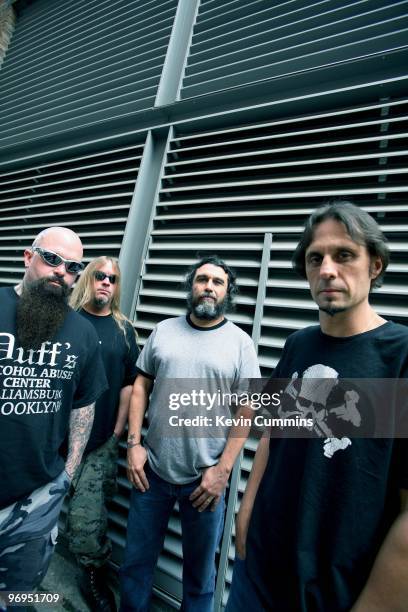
[84, 290]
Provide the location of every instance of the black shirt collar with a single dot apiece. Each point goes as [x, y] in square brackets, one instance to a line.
[194, 326]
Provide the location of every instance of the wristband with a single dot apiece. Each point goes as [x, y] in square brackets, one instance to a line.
[130, 444]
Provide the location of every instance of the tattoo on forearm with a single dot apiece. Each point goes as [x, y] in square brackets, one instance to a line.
[131, 441]
[80, 425]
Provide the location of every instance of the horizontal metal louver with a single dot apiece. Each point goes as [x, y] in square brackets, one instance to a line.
[240, 42]
[74, 63]
[91, 193]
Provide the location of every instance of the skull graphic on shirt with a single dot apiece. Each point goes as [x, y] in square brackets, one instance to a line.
[308, 398]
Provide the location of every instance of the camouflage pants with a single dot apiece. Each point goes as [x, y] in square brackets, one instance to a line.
[94, 486]
[28, 532]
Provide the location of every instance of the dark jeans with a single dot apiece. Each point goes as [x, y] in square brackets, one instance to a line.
[147, 523]
[243, 595]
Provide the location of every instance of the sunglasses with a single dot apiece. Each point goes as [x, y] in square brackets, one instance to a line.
[54, 260]
[100, 276]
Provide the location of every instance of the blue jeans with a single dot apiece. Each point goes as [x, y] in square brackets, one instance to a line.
[243, 595]
[147, 523]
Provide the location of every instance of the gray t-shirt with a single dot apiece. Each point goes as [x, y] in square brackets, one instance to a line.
[222, 357]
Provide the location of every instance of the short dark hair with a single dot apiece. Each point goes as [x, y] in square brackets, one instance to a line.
[232, 288]
[361, 227]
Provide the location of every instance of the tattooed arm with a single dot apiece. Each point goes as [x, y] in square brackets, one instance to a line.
[80, 425]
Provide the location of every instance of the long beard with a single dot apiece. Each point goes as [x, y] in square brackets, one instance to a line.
[206, 310]
[41, 311]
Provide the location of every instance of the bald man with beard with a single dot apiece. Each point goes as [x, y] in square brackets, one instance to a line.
[51, 373]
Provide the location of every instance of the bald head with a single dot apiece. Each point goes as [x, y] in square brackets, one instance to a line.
[62, 236]
[59, 240]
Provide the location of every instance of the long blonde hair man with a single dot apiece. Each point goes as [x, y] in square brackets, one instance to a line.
[83, 292]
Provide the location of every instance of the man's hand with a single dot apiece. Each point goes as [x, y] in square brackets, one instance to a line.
[136, 459]
[212, 486]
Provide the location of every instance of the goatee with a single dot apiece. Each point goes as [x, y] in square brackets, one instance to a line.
[207, 310]
[331, 311]
[100, 302]
[41, 311]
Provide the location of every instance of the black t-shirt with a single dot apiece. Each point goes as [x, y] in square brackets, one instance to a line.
[119, 358]
[319, 519]
[37, 391]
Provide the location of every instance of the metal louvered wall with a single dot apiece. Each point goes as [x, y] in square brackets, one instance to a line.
[241, 41]
[71, 64]
[91, 193]
[243, 115]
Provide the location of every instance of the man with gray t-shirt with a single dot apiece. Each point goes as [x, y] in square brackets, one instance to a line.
[192, 470]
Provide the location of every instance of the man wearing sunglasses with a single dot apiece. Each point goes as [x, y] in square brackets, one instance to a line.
[97, 297]
[51, 373]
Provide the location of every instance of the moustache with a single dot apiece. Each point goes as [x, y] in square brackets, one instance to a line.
[58, 280]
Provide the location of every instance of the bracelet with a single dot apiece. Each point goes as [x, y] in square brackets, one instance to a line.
[130, 444]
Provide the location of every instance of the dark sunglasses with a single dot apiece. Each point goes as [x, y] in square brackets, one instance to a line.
[54, 260]
[100, 276]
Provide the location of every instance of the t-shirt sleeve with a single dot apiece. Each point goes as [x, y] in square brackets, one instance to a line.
[93, 381]
[249, 367]
[132, 354]
[146, 364]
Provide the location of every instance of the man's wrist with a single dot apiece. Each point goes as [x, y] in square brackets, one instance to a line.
[133, 440]
[225, 469]
[132, 444]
